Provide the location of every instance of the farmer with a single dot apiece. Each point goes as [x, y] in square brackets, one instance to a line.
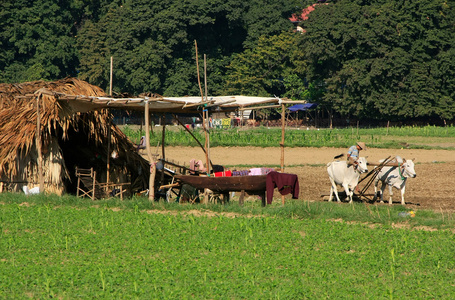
[353, 153]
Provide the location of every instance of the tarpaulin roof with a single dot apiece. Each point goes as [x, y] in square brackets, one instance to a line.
[82, 103]
[305, 106]
[70, 103]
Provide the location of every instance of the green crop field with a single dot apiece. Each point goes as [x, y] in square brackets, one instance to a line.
[67, 248]
[427, 137]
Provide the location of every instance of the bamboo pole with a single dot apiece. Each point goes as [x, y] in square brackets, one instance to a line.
[108, 149]
[163, 136]
[149, 153]
[283, 124]
[207, 134]
[163, 154]
[108, 160]
[206, 198]
[110, 77]
[197, 70]
[38, 145]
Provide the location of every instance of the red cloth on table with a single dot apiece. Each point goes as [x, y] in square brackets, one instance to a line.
[224, 173]
[286, 183]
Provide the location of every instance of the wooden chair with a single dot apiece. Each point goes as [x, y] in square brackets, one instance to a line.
[87, 185]
[90, 187]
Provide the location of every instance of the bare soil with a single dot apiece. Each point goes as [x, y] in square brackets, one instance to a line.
[433, 187]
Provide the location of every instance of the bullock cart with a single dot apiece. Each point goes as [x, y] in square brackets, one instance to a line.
[253, 185]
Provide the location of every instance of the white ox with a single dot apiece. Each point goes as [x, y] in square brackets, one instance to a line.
[348, 178]
[394, 177]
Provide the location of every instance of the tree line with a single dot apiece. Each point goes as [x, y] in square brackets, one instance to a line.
[378, 59]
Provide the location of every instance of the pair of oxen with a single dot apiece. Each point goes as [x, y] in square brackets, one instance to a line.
[348, 177]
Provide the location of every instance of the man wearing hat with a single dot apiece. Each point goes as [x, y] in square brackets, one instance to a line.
[354, 151]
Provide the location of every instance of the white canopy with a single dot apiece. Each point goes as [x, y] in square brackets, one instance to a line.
[81, 103]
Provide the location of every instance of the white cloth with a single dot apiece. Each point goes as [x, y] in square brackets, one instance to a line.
[32, 191]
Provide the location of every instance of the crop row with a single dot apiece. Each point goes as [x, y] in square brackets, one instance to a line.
[271, 137]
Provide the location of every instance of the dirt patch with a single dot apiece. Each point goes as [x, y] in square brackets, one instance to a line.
[431, 189]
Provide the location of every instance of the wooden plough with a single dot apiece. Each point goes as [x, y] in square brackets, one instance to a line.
[372, 175]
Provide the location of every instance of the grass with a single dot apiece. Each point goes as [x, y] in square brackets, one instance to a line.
[64, 247]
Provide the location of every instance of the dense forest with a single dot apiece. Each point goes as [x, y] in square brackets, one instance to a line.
[370, 60]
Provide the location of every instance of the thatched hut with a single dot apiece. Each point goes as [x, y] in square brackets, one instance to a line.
[66, 140]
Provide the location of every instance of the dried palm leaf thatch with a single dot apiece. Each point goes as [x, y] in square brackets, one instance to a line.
[18, 128]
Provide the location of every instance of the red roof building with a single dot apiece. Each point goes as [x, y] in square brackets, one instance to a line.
[295, 19]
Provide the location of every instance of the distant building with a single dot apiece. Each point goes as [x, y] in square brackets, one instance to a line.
[298, 19]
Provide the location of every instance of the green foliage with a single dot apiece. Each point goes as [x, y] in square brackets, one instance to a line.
[384, 59]
[37, 40]
[260, 70]
[64, 250]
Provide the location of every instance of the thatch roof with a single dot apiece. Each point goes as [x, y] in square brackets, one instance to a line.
[18, 121]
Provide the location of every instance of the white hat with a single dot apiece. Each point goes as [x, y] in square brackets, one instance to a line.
[362, 145]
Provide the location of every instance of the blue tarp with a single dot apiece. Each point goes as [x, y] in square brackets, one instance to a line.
[305, 106]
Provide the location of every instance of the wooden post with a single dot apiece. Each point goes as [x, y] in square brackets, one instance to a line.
[38, 145]
[110, 78]
[206, 122]
[163, 154]
[108, 149]
[283, 124]
[93, 184]
[149, 153]
[241, 119]
[242, 197]
[109, 130]
[163, 136]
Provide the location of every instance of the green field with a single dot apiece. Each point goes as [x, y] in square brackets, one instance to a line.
[427, 137]
[67, 248]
